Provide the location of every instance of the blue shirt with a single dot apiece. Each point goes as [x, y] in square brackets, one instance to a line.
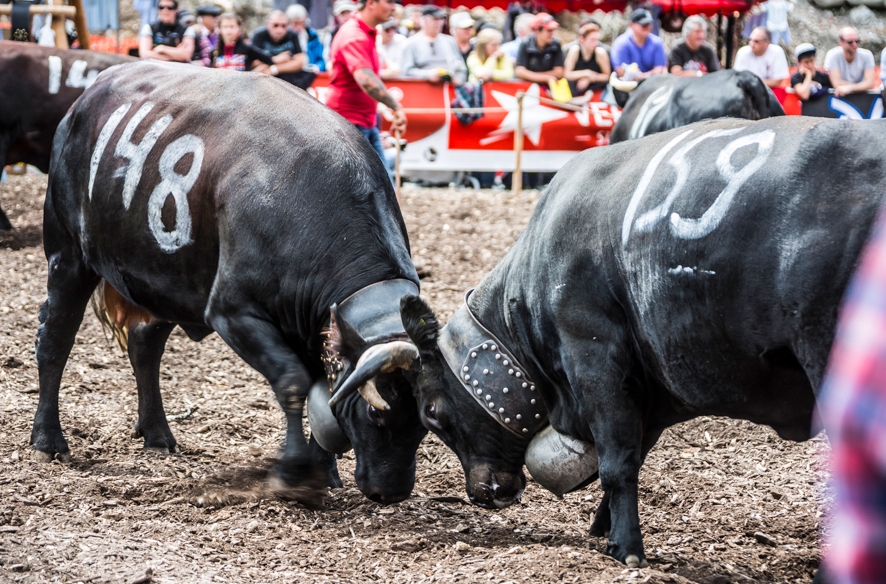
[651, 55]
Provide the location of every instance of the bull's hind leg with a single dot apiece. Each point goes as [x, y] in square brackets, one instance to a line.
[260, 343]
[69, 285]
[146, 345]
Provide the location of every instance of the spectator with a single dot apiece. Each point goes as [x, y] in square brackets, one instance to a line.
[308, 38]
[850, 68]
[587, 65]
[412, 24]
[342, 11]
[763, 59]
[390, 49]
[523, 26]
[540, 58]
[808, 82]
[638, 45]
[167, 39]
[777, 20]
[693, 56]
[461, 25]
[232, 52]
[488, 62]
[883, 69]
[282, 43]
[207, 32]
[354, 84]
[852, 403]
[186, 18]
[431, 55]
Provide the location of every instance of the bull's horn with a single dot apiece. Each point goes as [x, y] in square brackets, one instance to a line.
[626, 86]
[371, 395]
[377, 359]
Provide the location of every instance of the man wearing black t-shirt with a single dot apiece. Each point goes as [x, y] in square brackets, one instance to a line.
[279, 41]
[167, 39]
[540, 57]
[692, 56]
[808, 82]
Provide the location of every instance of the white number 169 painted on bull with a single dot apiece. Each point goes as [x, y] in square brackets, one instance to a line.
[710, 219]
[171, 182]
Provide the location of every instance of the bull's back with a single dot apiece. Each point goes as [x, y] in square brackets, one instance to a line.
[171, 174]
[716, 250]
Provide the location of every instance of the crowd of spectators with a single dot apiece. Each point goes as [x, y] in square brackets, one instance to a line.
[413, 44]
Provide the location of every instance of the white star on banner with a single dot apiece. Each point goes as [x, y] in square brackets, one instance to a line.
[534, 116]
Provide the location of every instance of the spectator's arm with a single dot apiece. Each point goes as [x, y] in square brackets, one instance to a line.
[183, 52]
[569, 64]
[521, 72]
[836, 80]
[680, 72]
[773, 83]
[293, 64]
[804, 89]
[146, 49]
[847, 88]
[504, 69]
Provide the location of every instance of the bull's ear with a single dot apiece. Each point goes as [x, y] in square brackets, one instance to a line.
[350, 341]
[420, 324]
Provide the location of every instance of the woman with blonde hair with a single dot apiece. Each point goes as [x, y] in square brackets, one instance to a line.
[487, 61]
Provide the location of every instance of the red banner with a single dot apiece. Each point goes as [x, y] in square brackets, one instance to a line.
[438, 141]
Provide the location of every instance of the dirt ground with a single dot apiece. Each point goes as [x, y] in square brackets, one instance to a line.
[720, 500]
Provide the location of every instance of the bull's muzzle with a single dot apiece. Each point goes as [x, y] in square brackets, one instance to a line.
[495, 489]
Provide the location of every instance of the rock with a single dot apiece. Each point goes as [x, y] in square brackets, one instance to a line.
[461, 547]
[202, 429]
[15, 455]
[861, 14]
[765, 539]
[828, 3]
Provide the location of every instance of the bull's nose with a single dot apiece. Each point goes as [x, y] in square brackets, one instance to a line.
[495, 497]
[387, 498]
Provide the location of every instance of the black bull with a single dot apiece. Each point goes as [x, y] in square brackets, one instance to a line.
[235, 203]
[37, 87]
[665, 102]
[694, 272]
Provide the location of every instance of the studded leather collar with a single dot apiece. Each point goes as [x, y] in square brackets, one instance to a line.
[491, 374]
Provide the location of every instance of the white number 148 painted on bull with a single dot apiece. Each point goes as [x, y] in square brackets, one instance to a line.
[710, 219]
[171, 182]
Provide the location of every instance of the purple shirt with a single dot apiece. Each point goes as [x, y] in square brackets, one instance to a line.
[651, 55]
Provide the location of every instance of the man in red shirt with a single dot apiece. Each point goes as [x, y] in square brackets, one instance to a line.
[354, 83]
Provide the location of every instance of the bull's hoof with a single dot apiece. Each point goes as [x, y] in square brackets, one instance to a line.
[160, 441]
[633, 561]
[40, 456]
[333, 481]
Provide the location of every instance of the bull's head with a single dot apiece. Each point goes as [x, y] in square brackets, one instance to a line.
[372, 409]
[491, 451]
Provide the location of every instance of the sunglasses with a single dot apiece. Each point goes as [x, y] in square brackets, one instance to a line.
[852, 42]
[166, 8]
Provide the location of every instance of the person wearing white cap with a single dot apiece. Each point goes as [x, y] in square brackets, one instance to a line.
[808, 82]
[461, 25]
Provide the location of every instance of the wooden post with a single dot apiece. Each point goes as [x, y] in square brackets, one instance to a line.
[397, 167]
[517, 179]
[80, 24]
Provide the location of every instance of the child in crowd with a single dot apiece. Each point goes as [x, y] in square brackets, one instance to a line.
[487, 61]
[232, 51]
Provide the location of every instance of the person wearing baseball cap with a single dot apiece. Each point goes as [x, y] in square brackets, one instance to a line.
[432, 55]
[207, 29]
[461, 25]
[540, 56]
[638, 45]
[808, 82]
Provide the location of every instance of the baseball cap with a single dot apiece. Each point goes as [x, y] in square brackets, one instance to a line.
[209, 10]
[433, 11]
[343, 6]
[388, 24]
[641, 16]
[545, 21]
[804, 50]
[461, 20]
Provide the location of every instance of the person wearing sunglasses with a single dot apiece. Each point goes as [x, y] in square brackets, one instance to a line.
[167, 39]
[850, 67]
[284, 46]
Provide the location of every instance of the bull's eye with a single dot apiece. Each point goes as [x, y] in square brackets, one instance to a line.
[431, 416]
[375, 415]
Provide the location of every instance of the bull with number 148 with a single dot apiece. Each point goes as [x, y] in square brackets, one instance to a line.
[234, 203]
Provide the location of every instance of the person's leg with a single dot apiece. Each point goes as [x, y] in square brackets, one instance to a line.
[374, 138]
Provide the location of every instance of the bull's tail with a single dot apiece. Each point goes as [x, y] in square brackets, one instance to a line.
[117, 314]
[762, 103]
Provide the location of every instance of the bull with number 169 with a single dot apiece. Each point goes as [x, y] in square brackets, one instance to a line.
[235, 203]
[695, 272]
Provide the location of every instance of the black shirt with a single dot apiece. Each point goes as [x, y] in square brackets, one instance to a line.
[261, 38]
[538, 60]
[704, 59]
[170, 35]
[820, 83]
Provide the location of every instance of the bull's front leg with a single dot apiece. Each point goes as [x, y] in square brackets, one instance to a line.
[259, 342]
